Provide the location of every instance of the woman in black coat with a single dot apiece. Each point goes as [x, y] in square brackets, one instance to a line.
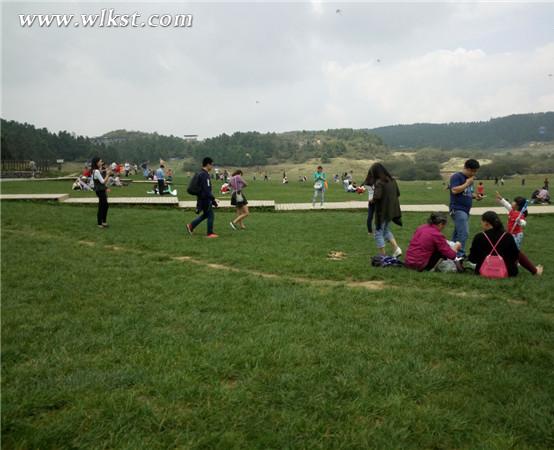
[387, 208]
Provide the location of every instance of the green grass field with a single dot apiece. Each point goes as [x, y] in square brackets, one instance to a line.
[139, 336]
[412, 192]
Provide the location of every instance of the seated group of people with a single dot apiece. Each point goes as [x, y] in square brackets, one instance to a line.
[540, 196]
[351, 186]
[428, 248]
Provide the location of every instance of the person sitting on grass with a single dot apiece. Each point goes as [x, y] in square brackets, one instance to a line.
[494, 235]
[428, 246]
[81, 184]
[540, 196]
[481, 190]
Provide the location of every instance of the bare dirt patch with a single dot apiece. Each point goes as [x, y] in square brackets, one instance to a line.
[336, 255]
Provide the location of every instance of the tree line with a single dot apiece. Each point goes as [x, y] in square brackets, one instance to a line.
[23, 141]
[503, 132]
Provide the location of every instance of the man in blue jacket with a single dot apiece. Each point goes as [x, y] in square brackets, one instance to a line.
[462, 194]
[205, 199]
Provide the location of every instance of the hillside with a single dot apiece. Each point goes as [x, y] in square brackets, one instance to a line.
[24, 141]
[502, 132]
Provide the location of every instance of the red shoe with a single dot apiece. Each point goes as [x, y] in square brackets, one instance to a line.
[189, 228]
[212, 236]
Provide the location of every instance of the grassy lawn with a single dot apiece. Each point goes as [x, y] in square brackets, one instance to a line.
[139, 336]
[412, 192]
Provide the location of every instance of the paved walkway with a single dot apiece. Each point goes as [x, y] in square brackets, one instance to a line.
[268, 204]
[46, 197]
[154, 200]
[70, 177]
[533, 209]
[224, 204]
[353, 205]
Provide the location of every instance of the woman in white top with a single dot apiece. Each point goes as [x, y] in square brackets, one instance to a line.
[370, 186]
[100, 189]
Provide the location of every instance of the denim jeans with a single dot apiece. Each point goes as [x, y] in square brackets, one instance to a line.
[316, 191]
[518, 238]
[206, 214]
[382, 234]
[461, 228]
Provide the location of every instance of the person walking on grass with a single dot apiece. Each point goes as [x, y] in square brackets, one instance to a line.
[319, 185]
[387, 208]
[100, 189]
[205, 200]
[461, 198]
[238, 200]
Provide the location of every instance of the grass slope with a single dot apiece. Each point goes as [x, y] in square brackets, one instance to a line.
[110, 342]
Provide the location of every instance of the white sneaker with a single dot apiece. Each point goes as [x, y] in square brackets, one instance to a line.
[397, 252]
[233, 226]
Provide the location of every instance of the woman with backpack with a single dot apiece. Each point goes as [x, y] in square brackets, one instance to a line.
[481, 248]
[492, 243]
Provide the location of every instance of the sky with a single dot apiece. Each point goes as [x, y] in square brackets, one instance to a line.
[273, 67]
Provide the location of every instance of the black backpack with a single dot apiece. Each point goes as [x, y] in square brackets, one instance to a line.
[194, 185]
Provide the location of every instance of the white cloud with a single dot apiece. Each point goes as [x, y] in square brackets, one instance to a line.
[309, 67]
[443, 85]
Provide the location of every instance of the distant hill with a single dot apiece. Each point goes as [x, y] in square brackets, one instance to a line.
[502, 132]
[253, 148]
[25, 141]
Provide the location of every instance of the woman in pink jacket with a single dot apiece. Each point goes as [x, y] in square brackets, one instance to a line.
[428, 245]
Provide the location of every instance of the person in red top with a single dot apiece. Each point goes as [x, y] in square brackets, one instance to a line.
[428, 245]
[517, 214]
[86, 172]
[481, 189]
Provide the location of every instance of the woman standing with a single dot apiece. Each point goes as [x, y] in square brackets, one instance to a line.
[369, 184]
[319, 185]
[238, 199]
[100, 189]
[387, 208]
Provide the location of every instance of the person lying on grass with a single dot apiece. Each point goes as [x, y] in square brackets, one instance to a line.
[428, 246]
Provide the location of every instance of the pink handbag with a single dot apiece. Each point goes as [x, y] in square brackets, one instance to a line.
[494, 266]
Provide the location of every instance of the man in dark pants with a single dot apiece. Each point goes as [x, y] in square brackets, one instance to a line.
[160, 175]
[462, 194]
[205, 200]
